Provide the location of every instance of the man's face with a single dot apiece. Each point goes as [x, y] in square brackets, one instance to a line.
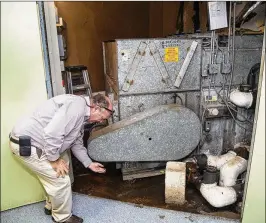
[100, 114]
[103, 114]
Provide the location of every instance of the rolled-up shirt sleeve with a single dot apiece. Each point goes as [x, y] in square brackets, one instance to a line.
[67, 118]
[80, 152]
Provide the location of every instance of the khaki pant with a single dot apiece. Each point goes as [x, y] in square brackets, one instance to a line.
[58, 190]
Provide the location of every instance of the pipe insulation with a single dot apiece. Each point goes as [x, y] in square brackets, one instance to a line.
[218, 196]
[219, 161]
[231, 170]
[241, 99]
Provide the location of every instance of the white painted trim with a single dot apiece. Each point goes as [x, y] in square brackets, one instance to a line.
[50, 20]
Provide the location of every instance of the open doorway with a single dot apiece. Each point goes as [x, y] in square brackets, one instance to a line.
[222, 63]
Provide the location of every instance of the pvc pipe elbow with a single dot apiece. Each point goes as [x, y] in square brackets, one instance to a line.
[219, 161]
[231, 170]
[241, 99]
[218, 196]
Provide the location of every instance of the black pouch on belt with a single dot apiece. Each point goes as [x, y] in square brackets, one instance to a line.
[24, 146]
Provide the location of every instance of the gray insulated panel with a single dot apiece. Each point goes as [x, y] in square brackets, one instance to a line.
[249, 41]
[243, 130]
[243, 42]
[214, 142]
[167, 132]
[130, 105]
[193, 101]
[244, 60]
[147, 76]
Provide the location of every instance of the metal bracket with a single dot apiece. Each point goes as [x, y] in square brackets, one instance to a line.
[160, 64]
[158, 61]
[132, 70]
[186, 63]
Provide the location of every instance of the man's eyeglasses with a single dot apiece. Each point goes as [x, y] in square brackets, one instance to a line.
[111, 111]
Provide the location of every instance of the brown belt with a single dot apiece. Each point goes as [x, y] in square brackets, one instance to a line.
[13, 140]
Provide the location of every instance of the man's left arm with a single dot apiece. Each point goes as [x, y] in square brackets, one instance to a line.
[80, 152]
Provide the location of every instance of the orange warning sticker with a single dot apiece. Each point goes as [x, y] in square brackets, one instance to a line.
[171, 54]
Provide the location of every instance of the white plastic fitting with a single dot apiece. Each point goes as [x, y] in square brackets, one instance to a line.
[231, 170]
[241, 99]
[219, 161]
[218, 196]
[213, 111]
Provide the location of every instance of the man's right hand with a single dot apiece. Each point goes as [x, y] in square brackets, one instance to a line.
[60, 166]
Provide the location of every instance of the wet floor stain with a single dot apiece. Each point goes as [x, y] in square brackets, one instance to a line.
[146, 191]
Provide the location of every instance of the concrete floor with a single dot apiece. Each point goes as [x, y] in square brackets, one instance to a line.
[100, 210]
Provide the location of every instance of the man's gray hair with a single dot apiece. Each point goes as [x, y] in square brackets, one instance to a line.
[100, 100]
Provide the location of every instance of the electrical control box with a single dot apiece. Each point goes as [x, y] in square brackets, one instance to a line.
[217, 111]
[213, 107]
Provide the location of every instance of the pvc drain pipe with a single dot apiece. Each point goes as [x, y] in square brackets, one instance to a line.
[218, 196]
[219, 161]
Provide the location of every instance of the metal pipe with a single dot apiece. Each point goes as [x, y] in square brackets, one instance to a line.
[250, 10]
[236, 49]
[229, 29]
[211, 48]
[159, 92]
[233, 48]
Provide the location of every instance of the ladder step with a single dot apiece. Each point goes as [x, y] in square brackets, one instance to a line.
[80, 87]
[75, 68]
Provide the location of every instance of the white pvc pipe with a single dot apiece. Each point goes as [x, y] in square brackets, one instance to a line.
[241, 99]
[218, 196]
[219, 161]
[231, 170]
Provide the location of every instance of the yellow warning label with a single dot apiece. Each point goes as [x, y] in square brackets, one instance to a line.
[171, 54]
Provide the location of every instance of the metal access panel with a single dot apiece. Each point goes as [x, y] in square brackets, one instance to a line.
[152, 65]
[193, 101]
[249, 42]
